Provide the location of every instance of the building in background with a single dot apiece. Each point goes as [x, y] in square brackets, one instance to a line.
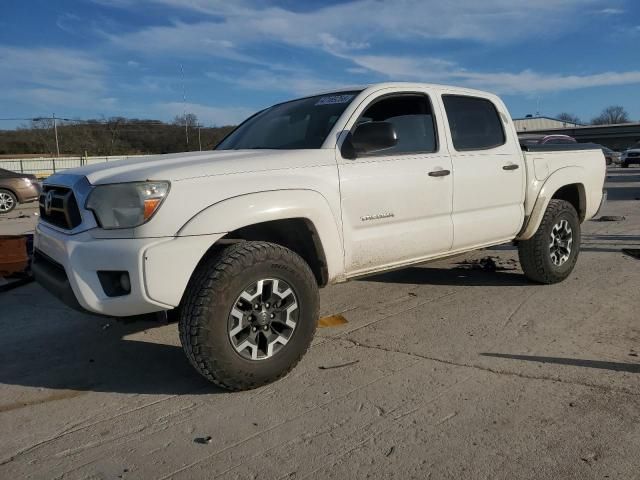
[617, 137]
[531, 123]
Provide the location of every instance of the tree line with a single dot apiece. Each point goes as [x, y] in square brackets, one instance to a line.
[129, 136]
[609, 116]
[112, 136]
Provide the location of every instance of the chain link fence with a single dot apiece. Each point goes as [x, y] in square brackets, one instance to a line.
[45, 166]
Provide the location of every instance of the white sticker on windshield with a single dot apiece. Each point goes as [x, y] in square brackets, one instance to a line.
[333, 99]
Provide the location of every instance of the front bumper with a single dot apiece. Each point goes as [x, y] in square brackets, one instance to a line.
[159, 269]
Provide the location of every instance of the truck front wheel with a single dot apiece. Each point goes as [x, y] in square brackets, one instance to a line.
[550, 255]
[249, 314]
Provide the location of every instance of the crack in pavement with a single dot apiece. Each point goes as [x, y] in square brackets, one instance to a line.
[66, 432]
[281, 423]
[495, 371]
[385, 317]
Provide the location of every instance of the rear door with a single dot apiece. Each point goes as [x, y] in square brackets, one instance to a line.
[488, 171]
[393, 211]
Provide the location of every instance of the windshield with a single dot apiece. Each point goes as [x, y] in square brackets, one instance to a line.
[299, 124]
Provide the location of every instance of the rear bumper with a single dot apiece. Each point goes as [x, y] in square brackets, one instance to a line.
[28, 194]
[158, 268]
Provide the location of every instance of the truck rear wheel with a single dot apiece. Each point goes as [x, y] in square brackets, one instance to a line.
[550, 255]
[249, 315]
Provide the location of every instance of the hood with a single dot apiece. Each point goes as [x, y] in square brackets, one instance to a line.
[181, 166]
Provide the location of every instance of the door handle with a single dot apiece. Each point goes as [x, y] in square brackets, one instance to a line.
[511, 166]
[439, 173]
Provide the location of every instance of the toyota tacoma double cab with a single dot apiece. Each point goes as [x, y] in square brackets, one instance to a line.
[304, 194]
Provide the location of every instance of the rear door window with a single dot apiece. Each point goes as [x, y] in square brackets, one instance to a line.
[474, 122]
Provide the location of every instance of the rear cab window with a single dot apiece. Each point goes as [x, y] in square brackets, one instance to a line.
[474, 122]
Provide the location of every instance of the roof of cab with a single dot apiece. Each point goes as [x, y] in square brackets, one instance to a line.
[406, 85]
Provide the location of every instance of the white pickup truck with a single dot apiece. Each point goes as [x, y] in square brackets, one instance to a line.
[303, 194]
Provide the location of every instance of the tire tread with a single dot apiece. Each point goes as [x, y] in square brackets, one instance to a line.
[532, 252]
[209, 281]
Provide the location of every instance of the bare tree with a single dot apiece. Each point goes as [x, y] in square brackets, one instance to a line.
[568, 118]
[188, 119]
[611, 115]
[43, 129]
[114, 124]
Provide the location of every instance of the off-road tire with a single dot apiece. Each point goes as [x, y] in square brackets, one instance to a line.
[210, 296]
[13, 198]
[534, 254]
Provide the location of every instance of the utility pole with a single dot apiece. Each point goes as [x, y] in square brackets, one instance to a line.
[184, 107]
[199, 142]
[55, 130]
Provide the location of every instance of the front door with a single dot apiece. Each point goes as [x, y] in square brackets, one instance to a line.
[396, 203]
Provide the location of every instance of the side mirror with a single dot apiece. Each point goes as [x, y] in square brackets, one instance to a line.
[371, 137]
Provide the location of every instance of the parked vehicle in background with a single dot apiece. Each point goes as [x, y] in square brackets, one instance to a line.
[304, 194]
[630, 157]
[16, 188]
[543, 139]
[611, 156]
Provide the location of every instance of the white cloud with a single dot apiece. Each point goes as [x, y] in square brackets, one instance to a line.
[349, 31]
[611, 11]
[52, 67]
[46, 77]
[299, 83]
[357, 70]
[351, 26]
[67, 22]
[64, 80]
[524, 82]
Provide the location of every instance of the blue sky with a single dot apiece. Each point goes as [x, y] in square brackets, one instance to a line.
[88, 59]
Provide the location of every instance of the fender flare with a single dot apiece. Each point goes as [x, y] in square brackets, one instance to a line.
[259, 207]
[557, 180]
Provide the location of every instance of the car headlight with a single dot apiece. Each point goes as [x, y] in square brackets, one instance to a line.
[126, 205]
[27, 181]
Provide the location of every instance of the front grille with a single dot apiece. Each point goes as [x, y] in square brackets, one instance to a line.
[633, 154]
[58, 207]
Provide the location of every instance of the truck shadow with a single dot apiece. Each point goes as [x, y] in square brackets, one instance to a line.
[80, 353]
[574, 362]
[450, 276]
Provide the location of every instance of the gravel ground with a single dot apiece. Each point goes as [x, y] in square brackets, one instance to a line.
[20, 220]
[448, 370]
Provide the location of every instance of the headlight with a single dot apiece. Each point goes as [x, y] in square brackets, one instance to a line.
[27, 181]
[126, 205]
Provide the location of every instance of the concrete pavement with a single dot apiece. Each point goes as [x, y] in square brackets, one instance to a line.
[442, 371]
